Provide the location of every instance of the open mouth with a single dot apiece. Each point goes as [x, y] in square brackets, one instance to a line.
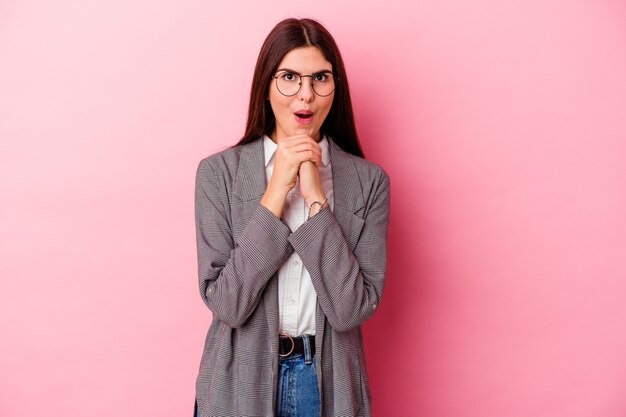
[304, 115]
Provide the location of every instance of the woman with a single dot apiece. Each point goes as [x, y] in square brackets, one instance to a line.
[291, 232]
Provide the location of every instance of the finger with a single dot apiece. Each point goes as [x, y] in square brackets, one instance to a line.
[292, 141]
[304, 146]
[309, 156]
[288, 153]
[307, 147]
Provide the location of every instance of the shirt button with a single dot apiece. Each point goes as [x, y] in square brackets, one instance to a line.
[296, 263]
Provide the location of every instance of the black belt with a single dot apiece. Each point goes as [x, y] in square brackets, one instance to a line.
[291, 345]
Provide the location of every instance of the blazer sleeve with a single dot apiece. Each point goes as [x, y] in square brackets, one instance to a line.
[233, 274]
[349, 284]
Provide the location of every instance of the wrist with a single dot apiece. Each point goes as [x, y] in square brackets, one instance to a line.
[316, 197]
[317, 206]
[280, 190]
[274, 200]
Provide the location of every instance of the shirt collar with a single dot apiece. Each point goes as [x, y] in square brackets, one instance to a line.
[269, 149]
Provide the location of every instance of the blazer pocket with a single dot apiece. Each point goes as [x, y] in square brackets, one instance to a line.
[351, 225]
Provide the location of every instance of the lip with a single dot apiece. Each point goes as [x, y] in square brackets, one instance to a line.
[303, 117]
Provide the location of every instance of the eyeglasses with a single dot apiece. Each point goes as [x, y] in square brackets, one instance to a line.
[289, 83]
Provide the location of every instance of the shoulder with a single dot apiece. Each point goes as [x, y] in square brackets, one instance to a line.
[225, 162]
[367, 171]
[226, 158]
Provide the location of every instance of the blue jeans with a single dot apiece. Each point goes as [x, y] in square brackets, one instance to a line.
[298, 394]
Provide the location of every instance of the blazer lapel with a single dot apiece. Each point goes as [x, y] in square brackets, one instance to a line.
[347, 194]
[250, 182]
[248, 187]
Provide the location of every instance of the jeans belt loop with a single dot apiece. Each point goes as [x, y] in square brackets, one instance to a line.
[307, 349]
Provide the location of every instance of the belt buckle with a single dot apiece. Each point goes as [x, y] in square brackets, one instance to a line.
[293, 345]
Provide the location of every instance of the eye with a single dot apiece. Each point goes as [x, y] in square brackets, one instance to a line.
[321, 77]
[288, 76]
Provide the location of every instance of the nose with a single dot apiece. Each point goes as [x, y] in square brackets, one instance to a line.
[306, 92]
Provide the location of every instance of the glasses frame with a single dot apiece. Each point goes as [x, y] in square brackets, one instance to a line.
[301, 76]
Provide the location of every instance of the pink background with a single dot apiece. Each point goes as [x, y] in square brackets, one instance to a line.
[502, 125]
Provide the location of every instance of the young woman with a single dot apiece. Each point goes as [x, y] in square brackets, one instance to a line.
[291, 232]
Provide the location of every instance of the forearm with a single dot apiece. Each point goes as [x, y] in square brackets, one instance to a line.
[346, 256]
[233, 271]
[231, 283]
[274, 199]
[347, 292]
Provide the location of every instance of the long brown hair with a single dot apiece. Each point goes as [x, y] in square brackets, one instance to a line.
[287, 35]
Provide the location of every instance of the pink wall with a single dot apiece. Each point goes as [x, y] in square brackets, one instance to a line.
[502, 126]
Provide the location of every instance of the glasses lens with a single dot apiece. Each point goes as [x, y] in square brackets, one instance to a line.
[288, 84]
[323, 84]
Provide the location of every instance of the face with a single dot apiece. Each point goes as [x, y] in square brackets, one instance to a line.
[305, 111]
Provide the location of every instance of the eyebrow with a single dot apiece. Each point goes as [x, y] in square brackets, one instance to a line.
[298, 73]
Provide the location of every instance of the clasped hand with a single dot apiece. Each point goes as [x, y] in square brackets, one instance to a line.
[296, 156]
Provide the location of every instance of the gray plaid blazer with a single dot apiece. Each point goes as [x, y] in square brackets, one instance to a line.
[241, 246]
